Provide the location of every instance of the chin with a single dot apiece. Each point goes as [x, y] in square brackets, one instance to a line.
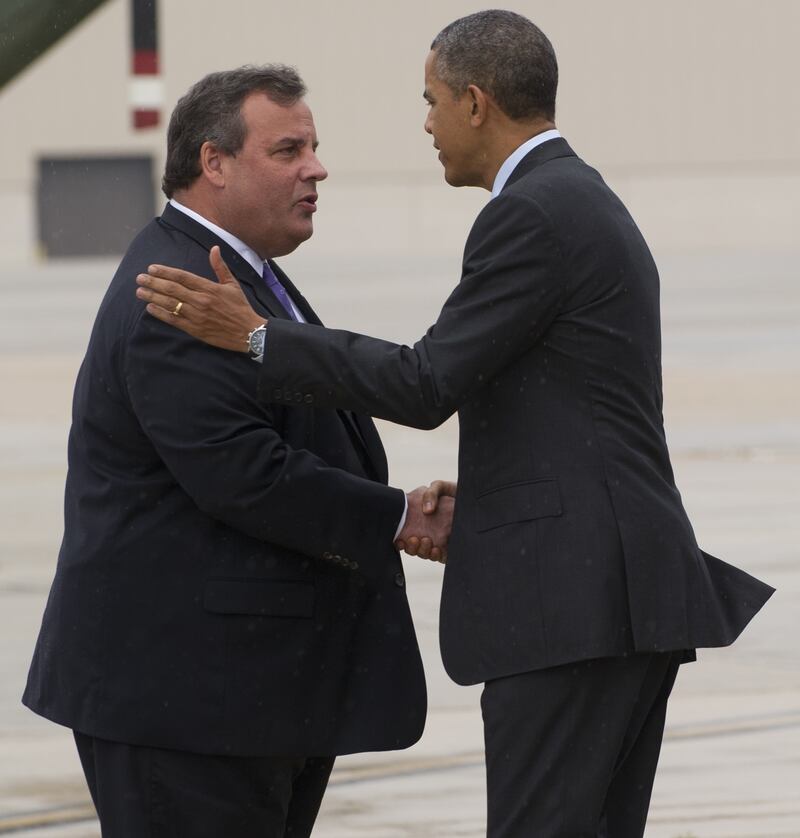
[290, 244]
[454, 179]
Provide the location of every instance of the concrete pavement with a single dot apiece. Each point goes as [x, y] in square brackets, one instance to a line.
[731, 761]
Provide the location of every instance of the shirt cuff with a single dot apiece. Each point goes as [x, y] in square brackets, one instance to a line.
[403, 517]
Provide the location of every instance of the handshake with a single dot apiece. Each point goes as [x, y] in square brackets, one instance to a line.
[428, 522]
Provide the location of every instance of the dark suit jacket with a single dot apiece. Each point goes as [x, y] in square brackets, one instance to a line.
[570, 540]
[227, 581]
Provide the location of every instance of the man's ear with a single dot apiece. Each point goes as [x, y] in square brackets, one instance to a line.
[211, 164]
[479, 105]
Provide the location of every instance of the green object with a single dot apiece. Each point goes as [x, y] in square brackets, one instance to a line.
[28, 28]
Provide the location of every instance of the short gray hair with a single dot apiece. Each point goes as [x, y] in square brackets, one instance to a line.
[506, 56]
[211, 111]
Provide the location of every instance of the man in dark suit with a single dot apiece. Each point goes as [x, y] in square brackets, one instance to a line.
[228, 612]
[574, 585]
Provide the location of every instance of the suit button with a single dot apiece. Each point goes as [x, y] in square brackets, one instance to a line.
[309, 399]
[353, 565]
[277, 395]
[327, 555]
[287, 394]
[399, 580]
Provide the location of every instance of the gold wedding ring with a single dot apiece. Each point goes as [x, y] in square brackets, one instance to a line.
[177, 310]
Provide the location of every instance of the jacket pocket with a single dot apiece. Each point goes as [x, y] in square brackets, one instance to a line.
[517, 502]
[262, 597]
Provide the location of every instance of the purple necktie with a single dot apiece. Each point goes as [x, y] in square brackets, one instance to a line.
[274, 285]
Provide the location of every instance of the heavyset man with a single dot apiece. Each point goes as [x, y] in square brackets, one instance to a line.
[228, 612]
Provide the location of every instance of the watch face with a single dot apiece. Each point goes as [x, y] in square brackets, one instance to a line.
[257, 341]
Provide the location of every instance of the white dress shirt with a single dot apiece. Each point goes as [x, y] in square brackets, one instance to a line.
[514, 158]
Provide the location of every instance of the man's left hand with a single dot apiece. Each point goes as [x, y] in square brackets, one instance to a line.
[217, 313]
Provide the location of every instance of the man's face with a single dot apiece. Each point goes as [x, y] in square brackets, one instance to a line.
[270, 184]
[448, 122]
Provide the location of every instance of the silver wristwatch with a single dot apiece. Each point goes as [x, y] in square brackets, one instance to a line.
[255, 341]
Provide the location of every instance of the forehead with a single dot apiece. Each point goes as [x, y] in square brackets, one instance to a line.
[433, 84]
[430, 69]
[266, 119]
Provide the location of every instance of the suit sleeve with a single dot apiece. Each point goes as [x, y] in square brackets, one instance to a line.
[510, 291]
[198, 408]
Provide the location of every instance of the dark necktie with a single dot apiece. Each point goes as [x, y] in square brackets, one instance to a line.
[274, 285]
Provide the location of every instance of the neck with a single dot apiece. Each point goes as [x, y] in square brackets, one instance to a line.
[210, 211]
[194, 200]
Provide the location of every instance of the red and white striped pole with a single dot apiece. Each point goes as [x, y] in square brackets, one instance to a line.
[146, 88]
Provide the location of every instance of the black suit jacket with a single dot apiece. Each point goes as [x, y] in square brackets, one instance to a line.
[570, 540]
[227, 581]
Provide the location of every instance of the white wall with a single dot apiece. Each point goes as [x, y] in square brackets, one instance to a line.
[688, 108]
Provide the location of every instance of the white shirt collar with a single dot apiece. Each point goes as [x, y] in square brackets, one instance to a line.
[247, 253]
[514, 158]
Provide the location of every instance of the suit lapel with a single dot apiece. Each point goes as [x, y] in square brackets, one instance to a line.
[361, 429]
[368, 435]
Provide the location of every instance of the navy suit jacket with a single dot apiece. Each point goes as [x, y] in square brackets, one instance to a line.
[227, 581]
[570, 540]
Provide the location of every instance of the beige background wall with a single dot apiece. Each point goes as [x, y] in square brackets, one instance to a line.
[688, 108]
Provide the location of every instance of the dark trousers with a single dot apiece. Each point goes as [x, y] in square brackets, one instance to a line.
[142, 792]
[572, 751]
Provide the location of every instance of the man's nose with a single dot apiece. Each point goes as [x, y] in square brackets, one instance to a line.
[428, 124]
[316, 171]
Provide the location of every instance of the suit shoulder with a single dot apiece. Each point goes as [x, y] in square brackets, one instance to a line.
[572, 194]
[555, 177]
[511, 212]
[156, 242]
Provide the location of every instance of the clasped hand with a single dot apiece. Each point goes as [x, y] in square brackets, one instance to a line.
[429, 521]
